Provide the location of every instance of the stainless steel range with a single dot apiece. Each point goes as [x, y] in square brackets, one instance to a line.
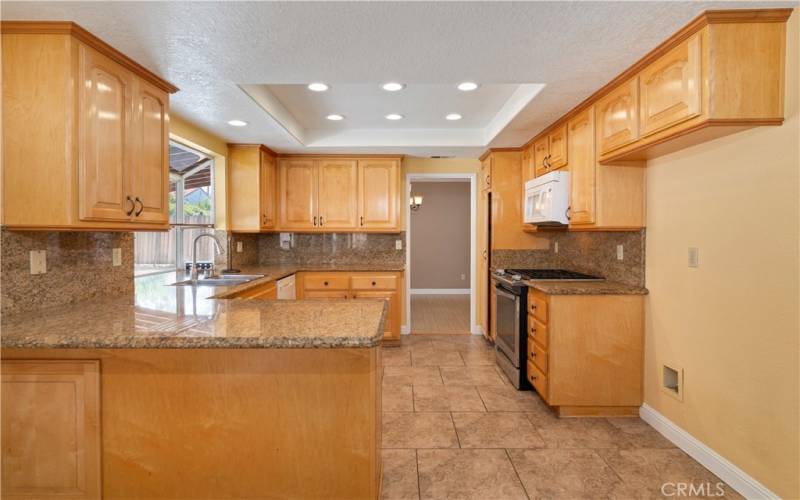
[511, 322]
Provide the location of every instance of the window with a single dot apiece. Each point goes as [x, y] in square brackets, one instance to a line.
[191, 212]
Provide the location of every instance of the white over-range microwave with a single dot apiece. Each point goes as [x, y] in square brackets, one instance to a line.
[547, 199]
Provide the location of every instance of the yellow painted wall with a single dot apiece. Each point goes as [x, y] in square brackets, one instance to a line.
[421, 165]
[732, 324]
[191, 135]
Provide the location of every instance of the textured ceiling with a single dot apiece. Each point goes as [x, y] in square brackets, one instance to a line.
[209, 48]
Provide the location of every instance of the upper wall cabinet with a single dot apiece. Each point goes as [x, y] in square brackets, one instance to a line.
[339, 194]
[85, 136]
[253, 187]
[618, 117]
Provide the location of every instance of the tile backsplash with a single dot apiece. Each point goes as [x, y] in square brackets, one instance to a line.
[591, 252]
[325, 248]
[78, 268]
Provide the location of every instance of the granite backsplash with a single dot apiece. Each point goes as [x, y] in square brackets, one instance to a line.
[591, 252]
[321, 248]
[78, 268]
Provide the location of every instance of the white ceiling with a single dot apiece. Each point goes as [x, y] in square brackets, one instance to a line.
[215, 50]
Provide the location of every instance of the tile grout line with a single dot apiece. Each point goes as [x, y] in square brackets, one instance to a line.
[458, 439]
[419, 488]
[516, 472]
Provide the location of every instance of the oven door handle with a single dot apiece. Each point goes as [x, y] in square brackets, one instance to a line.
[505, 292]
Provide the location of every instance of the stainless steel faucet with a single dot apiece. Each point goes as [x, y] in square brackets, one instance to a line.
[217, 251]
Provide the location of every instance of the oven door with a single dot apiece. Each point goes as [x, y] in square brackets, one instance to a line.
[508, 328]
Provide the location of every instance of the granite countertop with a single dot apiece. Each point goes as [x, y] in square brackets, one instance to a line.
[566, 287]
[162, 316]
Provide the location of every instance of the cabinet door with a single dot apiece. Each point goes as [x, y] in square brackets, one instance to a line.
[51, 429]
[150, 166]
[298, 199]
[104, 153]
[618, 117]
[338, 194]
[392, 324]
[540, 152]
[557, 142]
[582, 168]
[528, 170]
[268, 190]
[378, 194]
[670, 88]
[486, 174]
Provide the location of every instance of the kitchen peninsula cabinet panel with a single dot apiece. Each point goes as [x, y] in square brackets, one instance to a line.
[51, 429]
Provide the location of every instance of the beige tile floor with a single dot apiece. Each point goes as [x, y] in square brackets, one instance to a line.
[455, 428]
[440, 314]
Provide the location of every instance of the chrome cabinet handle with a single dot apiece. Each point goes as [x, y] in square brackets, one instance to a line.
[133, 205]
[141, 206]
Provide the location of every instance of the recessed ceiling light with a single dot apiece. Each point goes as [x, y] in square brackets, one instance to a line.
[394, 116]
[237, 123]
[453, 116]
[467, 86]
[335, 117]
[393, 86]
[318, 87]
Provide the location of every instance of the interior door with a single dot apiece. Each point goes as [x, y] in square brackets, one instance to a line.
[378, 194]
[298, 199]
[150, 166]
[338, 194]
[104, 119]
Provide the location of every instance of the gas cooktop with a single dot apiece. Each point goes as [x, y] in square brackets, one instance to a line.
[550, 275]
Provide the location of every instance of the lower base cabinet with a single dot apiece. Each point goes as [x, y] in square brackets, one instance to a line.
[51, 429]
[358, 285]
[585, 352]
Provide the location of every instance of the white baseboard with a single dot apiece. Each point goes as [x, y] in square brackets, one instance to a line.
[405, 330]
[738, 479]
[440, 291]
[477, 330]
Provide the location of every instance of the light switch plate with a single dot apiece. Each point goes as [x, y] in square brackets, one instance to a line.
[116, 257]
[620, 252]
[694, 257]
[398, 244]
[239, 247]
[38, 261]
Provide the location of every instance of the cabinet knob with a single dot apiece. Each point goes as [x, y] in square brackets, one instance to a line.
[326, 283]
[373, 283]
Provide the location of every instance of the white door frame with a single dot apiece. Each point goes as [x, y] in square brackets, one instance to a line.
[473, 208]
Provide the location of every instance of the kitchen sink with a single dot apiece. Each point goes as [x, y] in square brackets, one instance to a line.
[222, 280]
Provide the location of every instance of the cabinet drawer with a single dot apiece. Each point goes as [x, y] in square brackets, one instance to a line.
[326, 282]
[537, 305]
[537, 331]
[538, 355]
[538, 380]
[374, 282]
[325, 294]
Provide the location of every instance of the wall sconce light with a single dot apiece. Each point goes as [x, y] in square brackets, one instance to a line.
[415, 201]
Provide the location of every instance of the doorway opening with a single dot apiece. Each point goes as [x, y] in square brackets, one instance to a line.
[440, 254]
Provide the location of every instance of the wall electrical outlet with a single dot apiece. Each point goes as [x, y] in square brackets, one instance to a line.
[620, 252]
[116, 257]
[694, 257]
[239, 247]
[38, 261]
[555, 247]
[285, 241]
[463, 277]
[398, 244]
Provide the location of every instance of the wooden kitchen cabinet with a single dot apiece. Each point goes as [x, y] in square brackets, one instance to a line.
[582, 168]
[298, 194]
[540, 151]
[485, 180]
[585, 352]
[670, 89]
[51, 429]
[85, 136]
[253, 187]
[557, 155]
[359, 285]
[528, 165]
[338, 194]
[378, 194]
[618, 117]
